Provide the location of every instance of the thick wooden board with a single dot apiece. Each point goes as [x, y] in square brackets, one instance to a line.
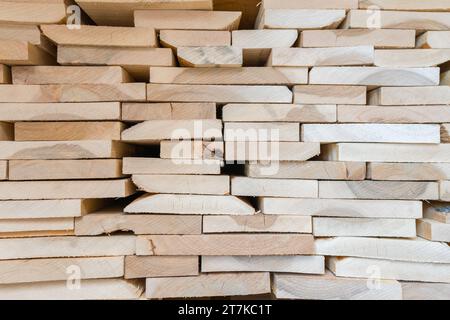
[414, 250]
[330, 287]
[278, 113]
[433, 230]
[286, 188]
[270, 151]
[29, 33]
[410, 96]
[40, 270]
[411, 58]
[59, 111]
[262, 131]
[5, 74]
[187, 20]
[256, 224]
[150, 267]
[379, 38]
[65, 169]
[137, 112]
[14, 226]
[237, 76]
[364, 227]
[194, 38]
[408, 171]
[327, 94]
[289, 264]
[311, 57]
[208, 285]
[190, 204]
[225, 245]
[34, 13]
[218, 93]
[156, 166]
[383, 133]
[209, 57]
[425, 291]
[434, 39]
[15, 52]
[54, 247]
[183, 184]
[306, 4]
[186, 151]
[4, 170]
[6, 131]
[414, 5]
[342, 208]
[444, 190]
[437, 211]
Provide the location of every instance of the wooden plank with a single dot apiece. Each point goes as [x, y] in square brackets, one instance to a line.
[187, 20]
[316, 170]
[330, 287]
[286, 188]
[429, 5]
[190, 204]
[261, 131]
[256, 224]
[444, 191]
[383, 133]
[13, 226]
[209, 57]
[6, 131]
[31, 234]
[311, 57]
[342, 208]
[411, 58]
[4, 170]
[237, 76]
[414, 250]
[390, 270]
[408, 171]
[137, 112]
[434, 39]
[150, 267]
[14, 52]
[67, 131]
[270, 151]
[379, 38]
[305, 4]
[191, 150]
[183, 184]
[445, 133]
[156, 166]
[326, 94]
[410, 96]
[433, 230]
[194, 38]
[225, 245]
[218, 93]
[65, 169]
[59, 111]
[5, 74]
[54, 247]
[39, 270]
[424, 291]
[438, 211]
[34, 13]
[290, 264]
[29, 33]
[208, 285]
[59, 150]
[445, 78]
[364, 227]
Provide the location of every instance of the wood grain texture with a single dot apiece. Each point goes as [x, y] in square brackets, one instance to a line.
[287, 188]
[137, 112]
[327, 94]
[411, 58]
[270, 151]
[151, 267]
[207, 57]
[408, 171]
[194, 38]
[433, 230]
[6, 131]
[19, 226]
[156, 166]
[401, 5]
[410, 96]
[424, 291]
[186, 151]
[266, 131]
[32, 13]
[5, 74]
[434, 39]
[15, 52]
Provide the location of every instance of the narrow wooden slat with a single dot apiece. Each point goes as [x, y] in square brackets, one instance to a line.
[270, 151]
[423, 291]
[433, 230]
[186, 151]
[429, 5]
[327, 94]
[18, 226]
[156, 166]
[411, 58]
[147, 267]
[288, 188]
[194, 38]
[264, 131]
[15, 52]
[20, 12]
[434, 39]
[137, 112]
[207, 57]
[408, 171]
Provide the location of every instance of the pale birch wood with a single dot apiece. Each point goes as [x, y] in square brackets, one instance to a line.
[208, 285]
[330, 287]
[379, 38]
[225, 245]
[4, 170]
[414, 250]
[15, 52]
[270, 151]
[218, 93]
[54, 247]
[150, 267]
[5, 74]
[434, 39]
[33, 13]
[40, 270]
[190, 204]
[342, 208]
[6, 131]
[444, 191]
[36, 225]
[413, 5]
[433, 230]
[287, 188]
[185, 151]
[411, 58]
[266, 131]
[425, 291]
[410, 96]
[256, 223]
[194, 38]
[289, 264]
[438, 211]
[408, 171]
[29, 33]
[156, 166]
[327, 94]
[306, 4]
[445, 133]
[187, 20]
[364, 227]
[207, 57]
[137, 112]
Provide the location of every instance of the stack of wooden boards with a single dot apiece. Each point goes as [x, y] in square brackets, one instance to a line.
[159, 151]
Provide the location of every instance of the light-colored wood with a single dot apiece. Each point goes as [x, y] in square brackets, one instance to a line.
[31, 234]
[67, 131]
[65, 169]
[6, 131]
[330, 287]
[433, 230]
[150, 267]
[225, 245]
[390, 270]
[320, 170]
[183, 184]
[206, 57]
[408, 171]
[445, 78]
[306, 4]
[411, 58]
[379, 38]
[15, 52]
[137, 112]
[444, 189]
[326, 94]
[208, 285]
[437, 211]
[445, 133]
[59, 111]
[186, 151]
[29, 33]
[270, 151]
[242, 76]
[39, 270]
[425, 291]
[36, 225]
[413, 5]
[5, 74]
[265, 131]
[20, 12]
[434, 39]
[218, 93]
[54, 247]
[156, 166]
[289, 264]
[342, 208]
[364, 227]
[187, 20]
[4, 170]
[285, 188]
[414, 250]
[410, 96]
[311, 57]
[59, 150]
[194, 38]
[190, 204]
[256, 224]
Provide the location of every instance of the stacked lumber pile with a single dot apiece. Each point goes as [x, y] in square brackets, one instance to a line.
[163, 149]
